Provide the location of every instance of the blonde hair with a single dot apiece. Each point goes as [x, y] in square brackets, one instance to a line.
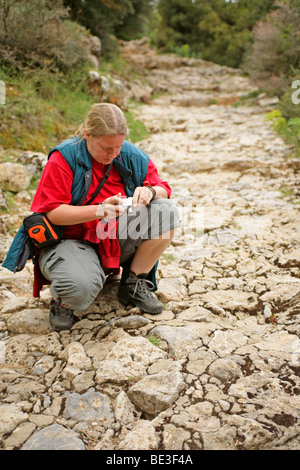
[103, 119]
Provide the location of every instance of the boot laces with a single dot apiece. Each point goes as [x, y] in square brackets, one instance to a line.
[143, 286]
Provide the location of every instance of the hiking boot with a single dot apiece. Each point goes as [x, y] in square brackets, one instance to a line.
[137, 291]
[60, 318]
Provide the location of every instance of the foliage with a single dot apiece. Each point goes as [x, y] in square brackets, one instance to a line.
[287, 105]
[137, 129]
[288, 128]
[45, 108]
[155, 341]
[274, 57]
[41, 108]
[137, 22]
[43, 55]
[44, 67]
[107, 18]
[37, 34]
[274, 64]
[219, 30]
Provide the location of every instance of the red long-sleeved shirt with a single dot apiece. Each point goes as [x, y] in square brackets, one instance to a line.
[55, 189]
[56, 182]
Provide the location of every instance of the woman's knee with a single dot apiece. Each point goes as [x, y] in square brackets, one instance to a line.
[75, 273]
[166, 217]
[76, 291]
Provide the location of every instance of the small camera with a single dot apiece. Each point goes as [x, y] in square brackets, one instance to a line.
[127, 202]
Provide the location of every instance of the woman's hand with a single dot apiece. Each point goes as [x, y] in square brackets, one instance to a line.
[142, 196]
[110, 208]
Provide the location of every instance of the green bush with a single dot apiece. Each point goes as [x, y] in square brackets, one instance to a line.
[38, 34]
[218, 30]
[288, 128]
[108, 19]
[287, 106]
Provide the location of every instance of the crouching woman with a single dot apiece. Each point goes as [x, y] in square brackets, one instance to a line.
[85, 188]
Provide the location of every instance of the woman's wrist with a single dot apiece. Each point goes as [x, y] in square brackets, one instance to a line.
[153, 191]
[100, 211]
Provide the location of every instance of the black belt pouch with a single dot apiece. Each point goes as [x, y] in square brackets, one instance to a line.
[41, 231]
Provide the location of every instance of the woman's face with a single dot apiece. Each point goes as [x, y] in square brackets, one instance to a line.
[104, 149]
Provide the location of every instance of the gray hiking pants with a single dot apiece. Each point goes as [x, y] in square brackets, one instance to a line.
[74, 268]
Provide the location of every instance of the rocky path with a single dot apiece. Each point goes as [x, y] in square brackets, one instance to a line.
[219, 368]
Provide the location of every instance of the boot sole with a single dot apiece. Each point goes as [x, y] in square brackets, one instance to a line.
[60, 328]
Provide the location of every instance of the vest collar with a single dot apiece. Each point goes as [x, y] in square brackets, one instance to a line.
[82, 156]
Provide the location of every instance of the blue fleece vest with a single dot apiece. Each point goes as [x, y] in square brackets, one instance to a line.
[132, 165]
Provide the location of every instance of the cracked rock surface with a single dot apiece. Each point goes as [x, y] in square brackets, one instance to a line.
[219, 367]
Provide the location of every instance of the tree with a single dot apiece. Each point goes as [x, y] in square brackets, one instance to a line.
[104, 18]
[137, 21]
[275, 56]
[217, 30]
[179, 23]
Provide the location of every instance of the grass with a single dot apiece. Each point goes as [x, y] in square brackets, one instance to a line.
[168, 258]
[248, 99]
[137, 129]
[154, 340]
[44, 108]
[11, 207]
[289, 129]
[286, 192]
[40, 110]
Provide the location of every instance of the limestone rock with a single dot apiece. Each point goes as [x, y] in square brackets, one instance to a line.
[174, 438]
[3, 200]
[142, 437]
[180, 340]
[33, 159]
[90, 406]
[171, 289]
[54, 437]
[156, 392]
[11, 417]
[225, 342]
[47, 344]
[135, 349]
[232, 300]
[29, 321]
[75, 356]
[14, 177]
[128, 358]
[225, 369]
[123, 409]
[20, 435]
